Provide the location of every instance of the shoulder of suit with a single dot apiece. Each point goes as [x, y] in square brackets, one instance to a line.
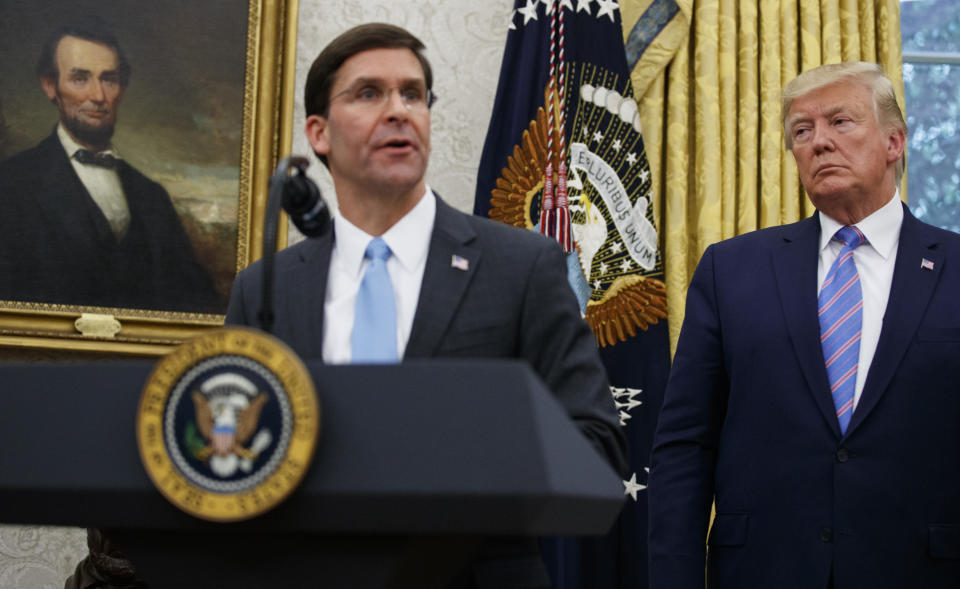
[289, 256]
[951, 238]
[23, 172]
[769, 236]
[26, 162]
[510, 234]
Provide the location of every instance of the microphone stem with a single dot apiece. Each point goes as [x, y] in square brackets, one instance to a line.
[274, 198]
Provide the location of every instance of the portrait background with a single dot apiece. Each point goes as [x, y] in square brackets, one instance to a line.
[465, 42]
[181, 119]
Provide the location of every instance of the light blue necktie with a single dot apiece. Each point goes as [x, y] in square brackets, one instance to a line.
[374, 338]
[841, 319]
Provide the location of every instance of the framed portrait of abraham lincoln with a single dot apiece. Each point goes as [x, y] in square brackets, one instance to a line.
[136, 143]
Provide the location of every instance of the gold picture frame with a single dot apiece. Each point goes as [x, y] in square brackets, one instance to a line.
[267, 104]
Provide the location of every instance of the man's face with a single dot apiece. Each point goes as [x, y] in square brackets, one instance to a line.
[844, 157]
[87, 90]
[376, 134]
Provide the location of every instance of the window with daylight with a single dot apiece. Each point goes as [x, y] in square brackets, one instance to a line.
[930, 32]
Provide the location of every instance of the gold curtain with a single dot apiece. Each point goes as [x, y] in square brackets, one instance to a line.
[711, 115]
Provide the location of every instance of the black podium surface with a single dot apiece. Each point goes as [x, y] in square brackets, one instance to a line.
[409, 456]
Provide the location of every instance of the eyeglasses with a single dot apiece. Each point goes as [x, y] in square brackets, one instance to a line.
[368, 95]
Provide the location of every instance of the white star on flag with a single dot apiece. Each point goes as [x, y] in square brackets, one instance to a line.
[632, 486]
[529, 11]
[584, 5]
[617, 145]
[597, 136]
[632, 158]
[626, 265]
[624, 398]
[606, 7]
[644, 175]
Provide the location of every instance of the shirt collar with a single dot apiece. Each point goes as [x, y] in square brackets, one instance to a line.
[881, 228]
[71, 146]
[408, 239]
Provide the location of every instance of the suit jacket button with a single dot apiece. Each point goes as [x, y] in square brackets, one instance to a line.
[842, 455]
[826, 535]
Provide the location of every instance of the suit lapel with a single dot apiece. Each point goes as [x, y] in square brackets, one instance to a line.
[795, 267]
[443, 283]
[306, 291]
[64, 202]
[910, 292]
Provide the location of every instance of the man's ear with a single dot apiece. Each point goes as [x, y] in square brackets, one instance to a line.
[896, 143]
[317, 134]
[49, 88]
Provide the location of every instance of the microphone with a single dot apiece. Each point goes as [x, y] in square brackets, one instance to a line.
[302, 200]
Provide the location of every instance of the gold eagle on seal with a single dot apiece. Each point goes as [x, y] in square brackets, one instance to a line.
[622, 300]
[227, 410]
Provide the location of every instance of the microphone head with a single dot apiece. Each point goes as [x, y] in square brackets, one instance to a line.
[303, 202]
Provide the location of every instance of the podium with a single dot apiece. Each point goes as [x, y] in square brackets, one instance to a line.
[417, 466]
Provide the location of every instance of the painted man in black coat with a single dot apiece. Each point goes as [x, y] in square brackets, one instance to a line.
[79, 225]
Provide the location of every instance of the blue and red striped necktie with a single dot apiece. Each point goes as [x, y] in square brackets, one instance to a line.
[841, 320]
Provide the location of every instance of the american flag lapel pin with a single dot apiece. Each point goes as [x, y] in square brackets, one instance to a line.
[926, 264]
[460, 263]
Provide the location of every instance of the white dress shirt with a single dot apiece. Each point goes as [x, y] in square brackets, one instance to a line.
[874, 260]
[409, 241]
[102, 184]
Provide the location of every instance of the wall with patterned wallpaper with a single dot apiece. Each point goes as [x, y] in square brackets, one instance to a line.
[464, 40]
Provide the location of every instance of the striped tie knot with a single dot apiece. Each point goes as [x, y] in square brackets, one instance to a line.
[850, 236]
[841, 320]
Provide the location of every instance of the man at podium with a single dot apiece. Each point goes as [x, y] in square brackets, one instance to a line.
[402, 275]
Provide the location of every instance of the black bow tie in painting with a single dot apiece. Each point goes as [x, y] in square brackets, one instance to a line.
[104, 160]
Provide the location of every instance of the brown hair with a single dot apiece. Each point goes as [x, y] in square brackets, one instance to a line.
[323, 72]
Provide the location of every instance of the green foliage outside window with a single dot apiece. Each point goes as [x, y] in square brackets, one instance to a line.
[931, 29]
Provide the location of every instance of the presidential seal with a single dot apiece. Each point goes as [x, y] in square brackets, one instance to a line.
[227, 424]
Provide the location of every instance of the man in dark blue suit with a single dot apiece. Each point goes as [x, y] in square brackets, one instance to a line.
[456, 285]
[815, 393]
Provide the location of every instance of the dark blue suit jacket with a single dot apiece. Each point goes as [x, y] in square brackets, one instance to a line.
[513, 301]
[748, 419]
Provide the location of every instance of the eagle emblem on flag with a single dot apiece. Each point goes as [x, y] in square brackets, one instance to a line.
[607, 187]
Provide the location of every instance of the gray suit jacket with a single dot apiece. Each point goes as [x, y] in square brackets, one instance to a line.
[513, 301]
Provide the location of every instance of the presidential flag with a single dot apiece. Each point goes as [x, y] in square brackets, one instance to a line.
[564, 156]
